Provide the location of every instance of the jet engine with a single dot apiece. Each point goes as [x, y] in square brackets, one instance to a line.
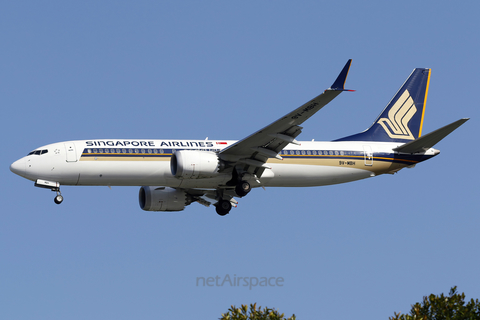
[192, 164]
[162, 199]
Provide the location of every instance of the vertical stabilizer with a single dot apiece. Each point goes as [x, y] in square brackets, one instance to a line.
[402, 119]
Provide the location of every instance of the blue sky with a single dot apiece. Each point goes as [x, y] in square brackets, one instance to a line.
[224, 69]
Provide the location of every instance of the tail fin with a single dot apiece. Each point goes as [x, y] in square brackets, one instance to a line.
[402, 118]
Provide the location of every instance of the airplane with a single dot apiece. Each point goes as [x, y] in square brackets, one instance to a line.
[172, 174]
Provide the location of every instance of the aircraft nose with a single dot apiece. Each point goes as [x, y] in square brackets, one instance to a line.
[18, 167]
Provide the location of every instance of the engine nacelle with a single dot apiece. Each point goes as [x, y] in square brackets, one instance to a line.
[162, 199]
[194, 164]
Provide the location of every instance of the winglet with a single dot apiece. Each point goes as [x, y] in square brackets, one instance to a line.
[339, 84]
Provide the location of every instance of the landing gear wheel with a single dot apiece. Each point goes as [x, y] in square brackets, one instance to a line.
[58, 199]
[223, 207]
[243, 188]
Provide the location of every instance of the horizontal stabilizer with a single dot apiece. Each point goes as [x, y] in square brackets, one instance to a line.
[429, 140]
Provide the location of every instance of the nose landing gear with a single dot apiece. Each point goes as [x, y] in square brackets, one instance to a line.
[58, 198]
[54, 186]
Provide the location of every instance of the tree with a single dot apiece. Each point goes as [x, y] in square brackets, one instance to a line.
[243, 313]
[440, 307]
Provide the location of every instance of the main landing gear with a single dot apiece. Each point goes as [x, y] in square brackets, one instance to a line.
[242, 188]
[225, 203]
[223, 207]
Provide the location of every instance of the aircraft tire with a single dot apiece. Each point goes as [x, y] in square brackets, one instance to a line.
[243, 188]
[223, 207]
[58, 199]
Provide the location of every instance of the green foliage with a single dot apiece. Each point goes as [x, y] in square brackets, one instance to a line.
[440, 307]
[243, 313]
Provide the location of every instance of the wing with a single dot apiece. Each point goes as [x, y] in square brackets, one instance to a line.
[254, 150]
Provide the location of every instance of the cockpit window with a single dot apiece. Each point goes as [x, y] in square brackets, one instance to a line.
[38, 152]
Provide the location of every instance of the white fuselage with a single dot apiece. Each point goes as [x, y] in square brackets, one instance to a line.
[114, 162]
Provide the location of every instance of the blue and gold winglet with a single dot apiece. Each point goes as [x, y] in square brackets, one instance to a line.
[339, 84]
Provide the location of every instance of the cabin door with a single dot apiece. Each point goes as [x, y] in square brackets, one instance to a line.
[368, 155]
